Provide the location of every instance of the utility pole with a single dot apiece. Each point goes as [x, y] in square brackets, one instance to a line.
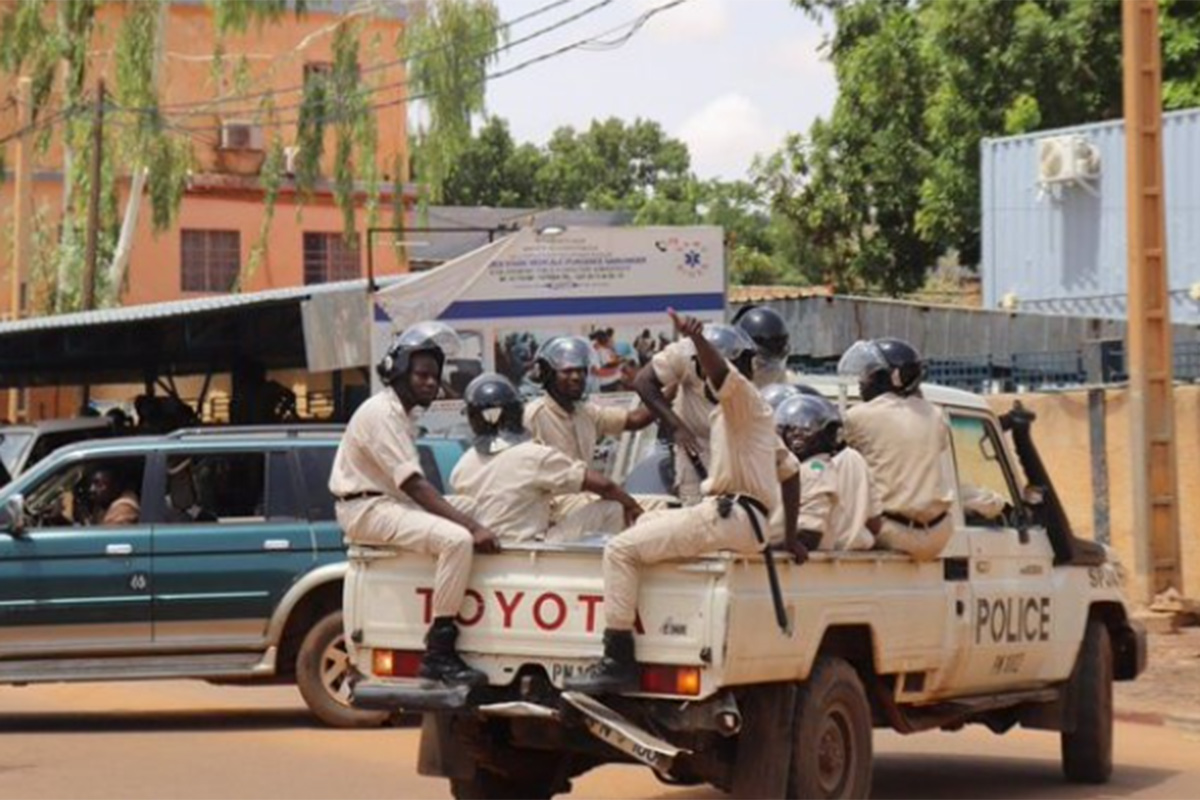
[22, 256]
[1148, 348]
[93, 219]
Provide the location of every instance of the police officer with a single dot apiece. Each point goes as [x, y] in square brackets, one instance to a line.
[385, 500]
[839, 509]
[770, 334]
[906, 441]
[564, 418]
[512, 479]
[749, 464]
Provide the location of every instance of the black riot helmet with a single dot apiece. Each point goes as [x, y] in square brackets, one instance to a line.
[734, 345]
[494, 406]
[561, 354]
[809, 425]
[433, 338]
[882, 366]
[776, 393]
[768, 330]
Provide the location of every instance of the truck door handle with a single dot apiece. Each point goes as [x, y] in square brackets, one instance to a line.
[118, 550]
[277, 544]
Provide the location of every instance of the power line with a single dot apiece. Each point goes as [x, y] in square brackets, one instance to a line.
[206, 106]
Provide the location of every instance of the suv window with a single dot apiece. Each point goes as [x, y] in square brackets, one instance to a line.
[983, 486]
[229, 487]
[99, 491]
[315, 465]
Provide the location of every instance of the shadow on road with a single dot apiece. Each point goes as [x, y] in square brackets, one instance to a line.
[89, 722]
[900, 776]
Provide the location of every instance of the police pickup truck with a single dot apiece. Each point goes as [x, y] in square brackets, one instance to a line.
[1017, 622]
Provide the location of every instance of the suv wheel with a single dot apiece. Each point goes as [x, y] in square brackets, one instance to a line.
[323, 675]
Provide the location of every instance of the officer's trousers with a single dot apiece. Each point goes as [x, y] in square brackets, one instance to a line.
[384, 522]
[663, 536]
[923, 544]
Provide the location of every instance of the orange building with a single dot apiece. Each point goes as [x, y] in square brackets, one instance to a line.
[210, 248]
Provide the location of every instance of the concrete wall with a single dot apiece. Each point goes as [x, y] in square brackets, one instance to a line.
[1063, 436]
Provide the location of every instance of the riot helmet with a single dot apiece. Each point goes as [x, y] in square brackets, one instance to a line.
[734, 345]
[564, 354]
[768, 331]
[776, 393]
[809, 425]
[882, 366]
[432, 338]
[494, 406]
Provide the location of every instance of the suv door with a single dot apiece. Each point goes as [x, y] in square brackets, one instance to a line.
[1011, 613]
[231, 541]
[70, 582]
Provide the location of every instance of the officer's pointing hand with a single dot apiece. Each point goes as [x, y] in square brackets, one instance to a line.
[684, 324]
[485, 540]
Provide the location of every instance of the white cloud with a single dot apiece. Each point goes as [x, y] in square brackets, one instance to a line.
[801, 56]
[697, 20]
[725, 135]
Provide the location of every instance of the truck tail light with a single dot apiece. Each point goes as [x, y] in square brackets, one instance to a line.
[396, 663]
[662, 679]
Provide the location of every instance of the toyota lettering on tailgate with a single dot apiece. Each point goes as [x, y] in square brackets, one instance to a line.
[548, 611]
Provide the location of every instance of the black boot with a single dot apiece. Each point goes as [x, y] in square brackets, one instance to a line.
[617, 672]
[442, 662]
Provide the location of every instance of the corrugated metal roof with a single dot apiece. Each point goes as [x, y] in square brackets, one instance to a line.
[760, 294]
[199, 305]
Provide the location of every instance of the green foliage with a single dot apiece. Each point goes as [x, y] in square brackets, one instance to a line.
[449, 48]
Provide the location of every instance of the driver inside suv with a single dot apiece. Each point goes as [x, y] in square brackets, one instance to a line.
[113, 500]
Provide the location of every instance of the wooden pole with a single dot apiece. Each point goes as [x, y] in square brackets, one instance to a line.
[22, 258]
[93, 220]
[1152, 409]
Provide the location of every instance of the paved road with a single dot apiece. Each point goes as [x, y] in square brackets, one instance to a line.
[187, 740]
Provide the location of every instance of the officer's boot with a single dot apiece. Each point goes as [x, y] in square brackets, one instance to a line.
[442, 662]
[616, 673]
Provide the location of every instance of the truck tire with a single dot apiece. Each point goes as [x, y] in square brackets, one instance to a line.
[831, 750]
[323, 677]
[1087, 749]
[488, 785]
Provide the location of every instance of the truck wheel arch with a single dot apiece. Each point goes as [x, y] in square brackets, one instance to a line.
[293, 620]
[1128, 662]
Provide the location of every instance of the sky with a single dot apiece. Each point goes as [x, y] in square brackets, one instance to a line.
[729, 77]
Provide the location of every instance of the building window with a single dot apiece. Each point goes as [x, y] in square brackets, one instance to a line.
[327, 257]
[210, 260]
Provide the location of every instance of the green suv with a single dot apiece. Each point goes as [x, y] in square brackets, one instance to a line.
[219, 558]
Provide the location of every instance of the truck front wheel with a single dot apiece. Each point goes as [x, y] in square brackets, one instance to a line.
[831, 752]
[323, 676]
[1087, 748]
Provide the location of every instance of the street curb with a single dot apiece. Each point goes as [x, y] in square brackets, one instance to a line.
[1188, 723]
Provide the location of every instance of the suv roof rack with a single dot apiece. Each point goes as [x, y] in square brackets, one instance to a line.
[258, 430]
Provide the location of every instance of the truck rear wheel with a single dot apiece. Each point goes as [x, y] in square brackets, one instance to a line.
[1087, 749]
[831, 749]
[323, 676]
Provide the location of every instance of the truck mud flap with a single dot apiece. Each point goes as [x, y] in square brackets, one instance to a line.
[414, 697]
[616, 731]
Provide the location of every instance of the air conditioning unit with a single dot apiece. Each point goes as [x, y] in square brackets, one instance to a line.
[1067, 159]
[238, 135]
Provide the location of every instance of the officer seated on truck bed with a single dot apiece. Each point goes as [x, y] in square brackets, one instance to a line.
[906, 442]
[749, 463]
[383, 498]
[511, 479]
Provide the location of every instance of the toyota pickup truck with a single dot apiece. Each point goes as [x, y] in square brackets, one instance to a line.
[1018, 622]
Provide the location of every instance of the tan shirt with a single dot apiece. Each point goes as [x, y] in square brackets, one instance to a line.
[575, 434]
[904, 440]
[675, 365]
[748, 457]
[125, 510]
[836, 499]
[378, 452]
[511, 490]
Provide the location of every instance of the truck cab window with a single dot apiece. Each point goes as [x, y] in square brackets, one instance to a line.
[984, 489]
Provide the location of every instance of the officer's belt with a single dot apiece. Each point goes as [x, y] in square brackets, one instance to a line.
[750, 504]
[346, 498]
[909, 522]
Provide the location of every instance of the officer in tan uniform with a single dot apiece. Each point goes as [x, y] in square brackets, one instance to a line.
[839, 509]
[767, 328]
[511, 479]
[749, 464]
[385, 500]
[905, 440]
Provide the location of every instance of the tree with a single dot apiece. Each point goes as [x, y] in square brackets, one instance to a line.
[449, 47]
[494, 171]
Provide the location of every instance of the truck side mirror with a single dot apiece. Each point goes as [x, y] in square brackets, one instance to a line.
[12, 516]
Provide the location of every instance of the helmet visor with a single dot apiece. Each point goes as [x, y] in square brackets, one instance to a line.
[430, 333]
[861, 360]
[567, 352]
